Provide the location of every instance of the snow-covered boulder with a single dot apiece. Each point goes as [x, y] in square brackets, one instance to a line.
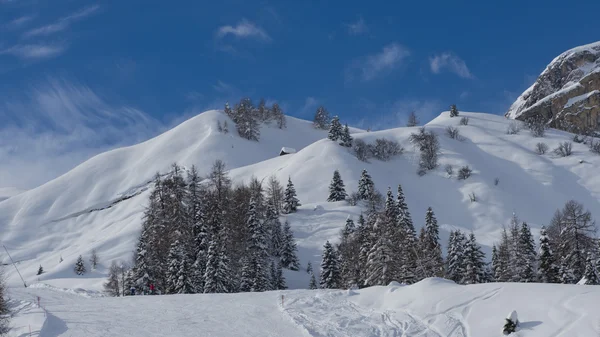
[511, 323]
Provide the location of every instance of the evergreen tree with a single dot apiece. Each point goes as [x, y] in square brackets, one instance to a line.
[547, 271]
[453, 110]
[275, 194]
[217, 275]
[246, 120]
[380, 260]
[290, 201]
[330, 275]
[474, 262]
[502, 269]
[348, 253]
[365, 186]
[273, 275]
[309, 268]
[412, 120]
[184, 283]
[289, 259]
[278, 116]
[514, 250]
[257, 250]
[94, 259]
[79, 266]
[337, 190]
[313, 282]
[273, 226]
[527, 255]
[335, 129]
[247, 276]
[279, 283]
[175, 258]
[346, 138]
[111, 287]
[456, 256]
[431, 249]
[321, 120]
[566, 273]
[406, 247]
[228, 110]
[590, 275]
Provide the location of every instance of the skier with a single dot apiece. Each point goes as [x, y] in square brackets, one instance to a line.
[132, 291]
[151, 289]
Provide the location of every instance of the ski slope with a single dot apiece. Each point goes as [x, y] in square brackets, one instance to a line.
[430, 308]
[99, 204]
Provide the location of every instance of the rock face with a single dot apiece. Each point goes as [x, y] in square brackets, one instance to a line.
[567, 93]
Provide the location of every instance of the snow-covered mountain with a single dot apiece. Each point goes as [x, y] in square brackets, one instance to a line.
[567, 93]
[99, 204]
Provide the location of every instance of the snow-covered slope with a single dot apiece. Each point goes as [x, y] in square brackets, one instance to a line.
[7, 192]
[430, 308]
[69, 216]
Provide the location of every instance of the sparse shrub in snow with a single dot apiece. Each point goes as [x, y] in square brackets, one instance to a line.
[541, 148]
[40, 270]
[537, 126]
[464, 172]
[472, 197]
[219, 127]
[111, 287]
[429, 145]
[321, 120]
[464, 120]
[564, 149]
[513, 128]
[595, 146]
[225, 127]
[496, 181]
[511, 323]
[453, 132]
[385, 149]
[421, 171]
[578, 139]
[448, 168]
[79, 266]
[354, 198]
[361, 150]
[453, 110]
[94, 259]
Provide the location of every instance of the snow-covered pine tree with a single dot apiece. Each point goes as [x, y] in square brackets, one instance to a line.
[312, 285]
[80, 266]
[380, 268]
[257, 249]
[407, 246]
[337, 190]
[261, 281]
[246, 121]
[502, 269]
[590, 275]
[174, 258]
[280, 283]
[346, 139]
[273, 275]
[290, 201]
[515, 252]
[527, 254]
[431, 250]
[367, 237]
[275, 232]
[330, 273]
[278, 116]
[289, 259]
[275, 194]
[225, 127]
[309, 268]
[547, 271]
[348, 253]
[456, 256]
[566, 274]
[412, 120]
[335, 129]
[321, 120]
[453, 110]
[474, 262]
[228, 110]
[365, 186]
[217, 277]
[184, 283]
[246, 277]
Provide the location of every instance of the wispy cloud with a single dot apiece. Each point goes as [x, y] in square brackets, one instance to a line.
[55, 125]
[19, 22]
[450, 62]
[373, 66]
[34, 51]
[357, 28]
[244, 29]
[62, 23]
[309, 107]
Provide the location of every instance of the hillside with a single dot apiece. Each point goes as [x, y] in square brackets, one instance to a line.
[430, 308]
[98, 205]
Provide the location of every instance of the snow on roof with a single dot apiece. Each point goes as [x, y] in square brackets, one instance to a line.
[288, 150]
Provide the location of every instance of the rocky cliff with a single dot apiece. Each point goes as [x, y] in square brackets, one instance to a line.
[567, 93]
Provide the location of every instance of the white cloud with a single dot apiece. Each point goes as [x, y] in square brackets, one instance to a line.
[62, 23]
[373, 66]
[56, 125]
[451, 62]
[358, 27]
[244, 29]
[34, 51]
[19, 22]
[309, 107]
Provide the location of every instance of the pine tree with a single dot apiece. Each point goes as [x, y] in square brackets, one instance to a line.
[527, 255]
[453, 110]
[184, 283]
[94, 259]
[474, 262]
[40, 270]
[175, 257]
[380, 266]
[289, 259]
[112, 283]
[348, 253]
[406, 248]
[273, 226]
[313, 282]
[225, 127]
[456, 256]
[547, 271]
[309, 268]
[257, 250]
[228, 110]
[515, 252]
[278, 116]
[79, 266]
[431, 249]
[290, 201]
[275, 194]
[321, 120]
[247, 277]
[412, 120]
[335, 129]
[330, 275]
[590, 275]
[346, 138]
[217, 275]
[502, 269]
[279, 279]
[337, 190]
[365, 186]
[566, 273]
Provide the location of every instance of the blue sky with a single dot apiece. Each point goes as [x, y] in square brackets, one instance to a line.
[80, 77]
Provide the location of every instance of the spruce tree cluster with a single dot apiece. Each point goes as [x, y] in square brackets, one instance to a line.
[321, 119]
[212, 237]
[248, 118]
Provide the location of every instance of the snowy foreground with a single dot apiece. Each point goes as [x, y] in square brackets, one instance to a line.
[433, 307]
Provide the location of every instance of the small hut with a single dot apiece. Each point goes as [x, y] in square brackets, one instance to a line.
[286, 150]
